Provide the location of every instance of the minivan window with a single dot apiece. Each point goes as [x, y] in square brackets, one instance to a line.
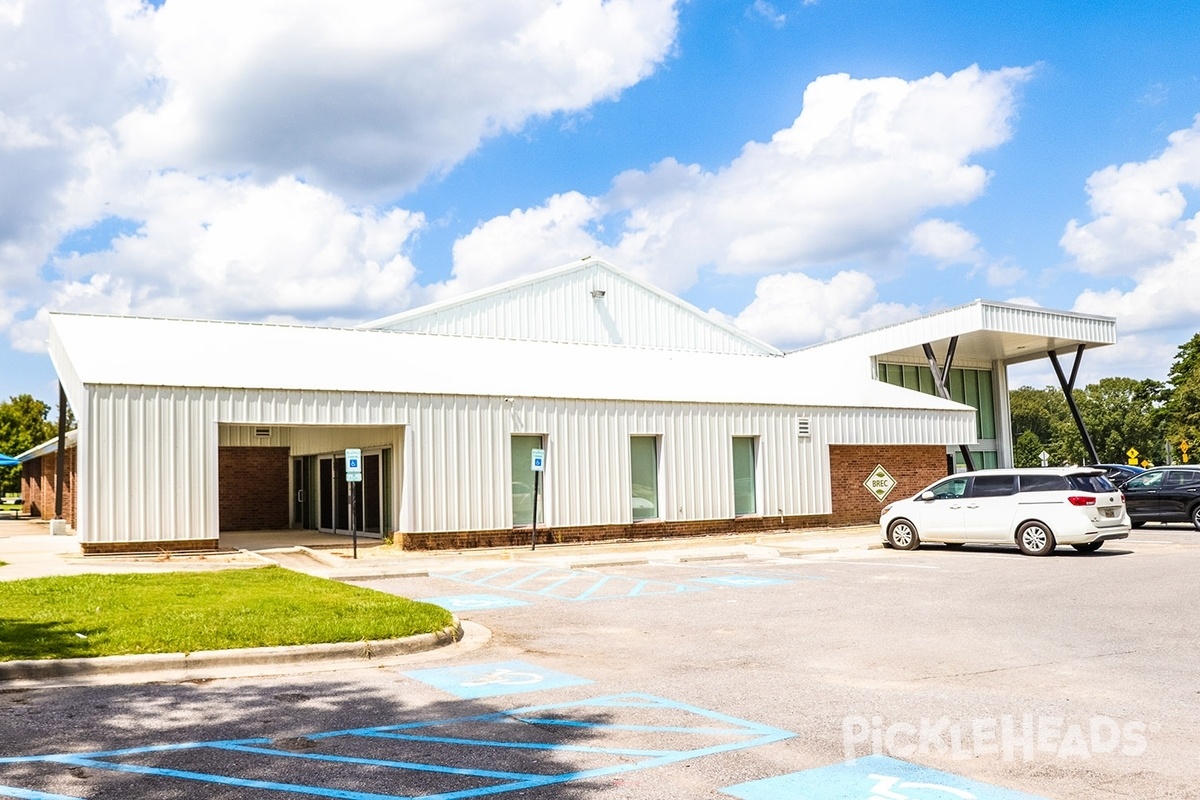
[993, 486]
[948, 490]
[1091, 483]
[1043, 483]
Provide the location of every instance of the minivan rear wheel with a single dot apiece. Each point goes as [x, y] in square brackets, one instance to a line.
[902, 535]
[1035, 539]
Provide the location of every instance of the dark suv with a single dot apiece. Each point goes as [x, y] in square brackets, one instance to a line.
[1164, 494]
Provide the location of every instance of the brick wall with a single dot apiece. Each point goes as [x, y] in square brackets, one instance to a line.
[252, 488]
[38, 486]
[913, 466]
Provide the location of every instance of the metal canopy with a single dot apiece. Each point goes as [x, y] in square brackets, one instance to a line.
[989, 331]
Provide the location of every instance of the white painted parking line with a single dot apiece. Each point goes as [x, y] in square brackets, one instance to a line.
[881, 564]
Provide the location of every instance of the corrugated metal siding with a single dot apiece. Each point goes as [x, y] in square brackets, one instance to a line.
[562, 309]
[1051, 324]
[156, 453]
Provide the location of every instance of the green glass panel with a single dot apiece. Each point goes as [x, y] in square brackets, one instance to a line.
[522, 480]
[987, 409]
[643, 469]
[911, 381]
[744, 494]
[956, 385]
[926, 379]
[989, 459]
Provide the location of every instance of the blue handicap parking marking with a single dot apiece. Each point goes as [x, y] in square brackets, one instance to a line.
[565, 584]
[434, 759]
[872, 778]
[740, 581]
[489, 680]
[473, 602]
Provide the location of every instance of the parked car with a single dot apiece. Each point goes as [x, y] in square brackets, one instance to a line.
[1119, 473]
[1035, 509]
[1164, 494]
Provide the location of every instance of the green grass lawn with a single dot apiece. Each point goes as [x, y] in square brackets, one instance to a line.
[104, 615]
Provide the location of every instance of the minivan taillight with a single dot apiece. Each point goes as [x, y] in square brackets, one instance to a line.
[1082, 500]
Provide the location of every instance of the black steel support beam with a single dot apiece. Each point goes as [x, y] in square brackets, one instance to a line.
[941, 380]
[1068, 387]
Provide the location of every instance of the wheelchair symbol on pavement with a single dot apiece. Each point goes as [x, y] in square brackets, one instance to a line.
[504, 677]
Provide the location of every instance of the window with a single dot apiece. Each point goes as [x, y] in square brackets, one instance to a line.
[745, 495]
[993, 486]
[522, 480]
[643, 470]
[1180, 477]
[1150, 479]
[950, 489]
[1043, 483]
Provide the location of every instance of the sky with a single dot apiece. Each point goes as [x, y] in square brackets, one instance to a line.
[803, 169]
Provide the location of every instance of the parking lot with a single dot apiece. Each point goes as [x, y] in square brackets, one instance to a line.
[970, 673]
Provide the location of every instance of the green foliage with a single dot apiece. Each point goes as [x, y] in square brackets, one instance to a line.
[1119, 413]
[1027, 450]
[24, 423]
[101, 615]
[1182, 411]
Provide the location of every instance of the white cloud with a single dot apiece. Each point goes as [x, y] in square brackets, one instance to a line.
[791, 310]
[229, 249]
[1138, 210]
[850, 179]
[248, 141]
[370, 96]
[945, 242]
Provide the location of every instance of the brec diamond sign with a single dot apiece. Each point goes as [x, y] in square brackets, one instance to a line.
[880, 483]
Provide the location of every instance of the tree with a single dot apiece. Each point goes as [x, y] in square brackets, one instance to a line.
[24, 423]
[1182, 410]
[1027, 450]
[1119, 413]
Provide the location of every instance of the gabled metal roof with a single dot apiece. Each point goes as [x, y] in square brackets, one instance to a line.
[110, 350]
[585, 301]
[987, 331]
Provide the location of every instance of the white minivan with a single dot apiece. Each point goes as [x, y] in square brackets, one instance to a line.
[1033, 508]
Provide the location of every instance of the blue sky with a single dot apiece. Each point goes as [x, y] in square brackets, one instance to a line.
[801, 169]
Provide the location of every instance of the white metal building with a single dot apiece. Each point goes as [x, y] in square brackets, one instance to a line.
[656, 420]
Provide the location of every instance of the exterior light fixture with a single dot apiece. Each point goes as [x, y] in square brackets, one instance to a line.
[597, 294]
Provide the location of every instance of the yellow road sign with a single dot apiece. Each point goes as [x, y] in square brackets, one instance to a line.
[1184, 446]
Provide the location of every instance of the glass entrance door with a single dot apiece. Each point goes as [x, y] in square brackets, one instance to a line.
[370, 498]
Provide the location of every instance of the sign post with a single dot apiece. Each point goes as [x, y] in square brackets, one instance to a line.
[538, 465]
[353, 478]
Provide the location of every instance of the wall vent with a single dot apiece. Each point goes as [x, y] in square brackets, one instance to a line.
[803, 427]
[262, 432]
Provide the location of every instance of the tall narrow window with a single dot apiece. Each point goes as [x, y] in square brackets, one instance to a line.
[643, 463]
[745, 495]
[522, 480]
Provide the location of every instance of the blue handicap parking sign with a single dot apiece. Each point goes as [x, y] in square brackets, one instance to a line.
[473, 602]
[489, 680]
[872, 777]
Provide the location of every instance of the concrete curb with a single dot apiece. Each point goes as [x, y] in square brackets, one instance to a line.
[45, 669]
